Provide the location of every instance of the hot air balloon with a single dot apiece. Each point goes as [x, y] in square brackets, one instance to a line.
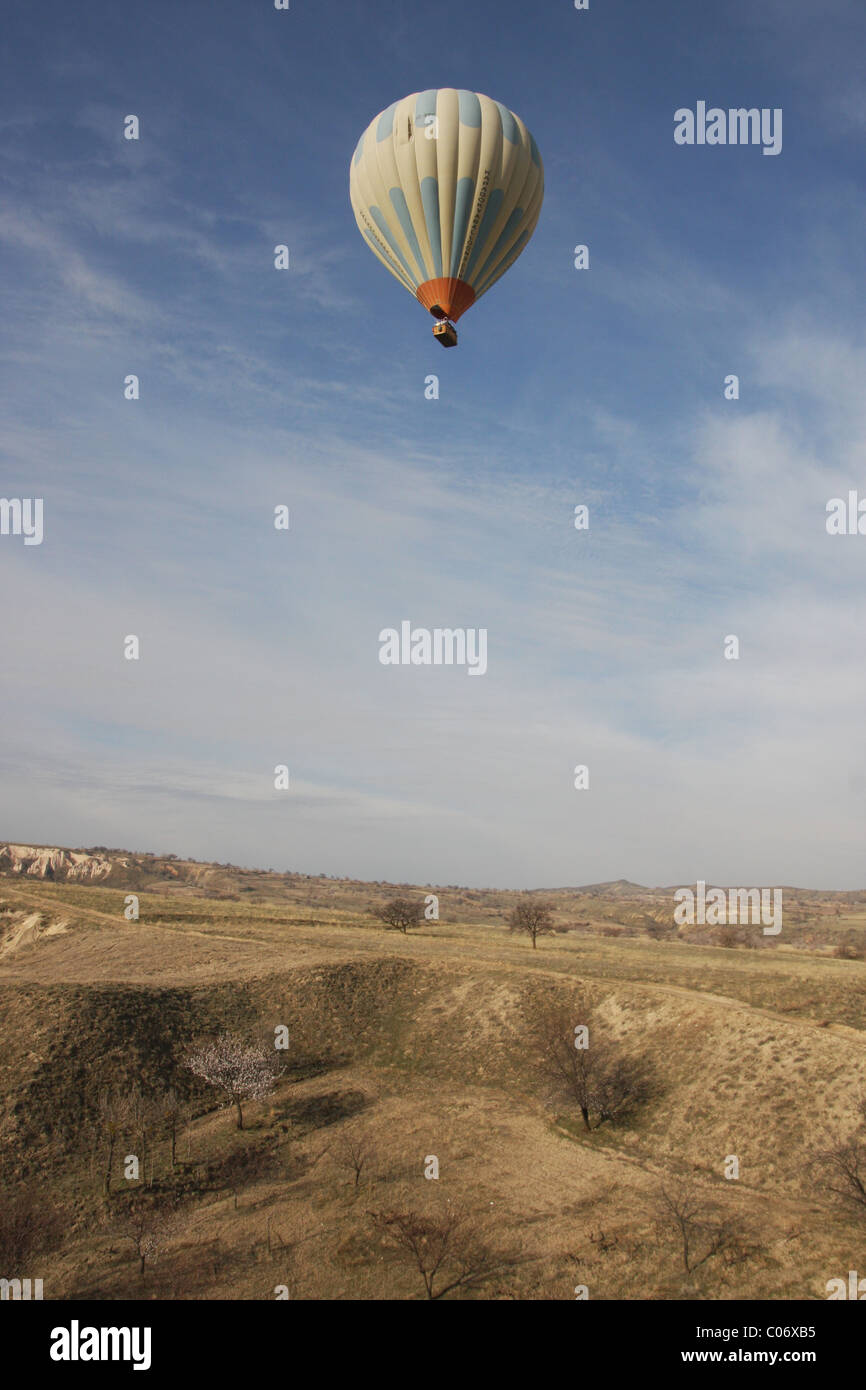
[446, 187]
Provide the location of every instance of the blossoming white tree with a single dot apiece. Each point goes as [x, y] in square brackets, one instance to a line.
[240, 1071]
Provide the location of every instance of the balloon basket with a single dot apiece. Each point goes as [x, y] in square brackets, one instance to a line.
[445, 333]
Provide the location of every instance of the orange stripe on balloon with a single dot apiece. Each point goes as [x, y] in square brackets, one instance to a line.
[452, 297]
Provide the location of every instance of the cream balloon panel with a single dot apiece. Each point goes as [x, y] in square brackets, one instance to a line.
[447, 183]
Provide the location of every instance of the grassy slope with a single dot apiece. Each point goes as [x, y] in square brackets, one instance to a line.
[418, 1043]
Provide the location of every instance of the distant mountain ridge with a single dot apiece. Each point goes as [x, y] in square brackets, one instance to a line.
[122, 868]
[99, 864]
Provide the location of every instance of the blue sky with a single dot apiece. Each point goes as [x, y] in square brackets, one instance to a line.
[306, 387]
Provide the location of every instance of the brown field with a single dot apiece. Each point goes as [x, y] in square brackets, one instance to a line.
[415, 1046]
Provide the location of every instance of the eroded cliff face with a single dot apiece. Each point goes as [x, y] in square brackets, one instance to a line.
[37, 861]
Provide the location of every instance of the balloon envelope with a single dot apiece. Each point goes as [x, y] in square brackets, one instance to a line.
[446, 187]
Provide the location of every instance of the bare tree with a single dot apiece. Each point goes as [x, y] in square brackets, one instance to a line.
[582, 1066]
[448, 1251]
[531, 917]
[115, 1110]
[703, 1232]
[352, 1151]
[241, 1072]
[148, 1225]
[399, 914]
[845, 1173]
[144, 1119]
[173, 1113]
[841, 1169]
